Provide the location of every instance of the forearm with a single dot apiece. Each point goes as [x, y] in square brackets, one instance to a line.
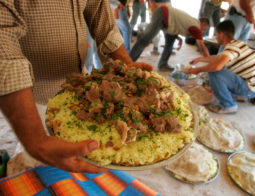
[207, 59]
[216, 65]
[246, 7]
[20, 109]
[211, 67]
[121, 54]
[204, 51]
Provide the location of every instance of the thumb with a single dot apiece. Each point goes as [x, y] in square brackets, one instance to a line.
[81, 148]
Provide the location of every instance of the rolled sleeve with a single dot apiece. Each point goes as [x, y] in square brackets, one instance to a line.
[103, 27]
[15, 75]
[15, 69]
[112, 42]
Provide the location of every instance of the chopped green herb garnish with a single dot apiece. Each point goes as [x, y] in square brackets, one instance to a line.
[92, 127]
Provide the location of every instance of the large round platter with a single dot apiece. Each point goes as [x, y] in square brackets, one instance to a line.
[223, 151]
[156, 165]
[229, 170]
[182, 179]
[152, 148]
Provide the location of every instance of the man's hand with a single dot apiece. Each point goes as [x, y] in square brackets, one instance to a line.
[141, 65]
[116, 13]
[193, 71]
[20, 109]
[250, 18]
[64, 155]
[179, 43]
[203, 49]
[122, 55]
[195, 61]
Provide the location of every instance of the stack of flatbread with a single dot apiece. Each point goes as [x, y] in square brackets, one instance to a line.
[241, 168]
[220, 136]
[199, 94]
[196, 165]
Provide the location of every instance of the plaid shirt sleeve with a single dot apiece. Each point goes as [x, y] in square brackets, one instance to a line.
[15, 69]
[99, 18]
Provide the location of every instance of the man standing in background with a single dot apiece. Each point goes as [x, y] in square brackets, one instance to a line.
[241, 13]
[139, 9]
[122, 14]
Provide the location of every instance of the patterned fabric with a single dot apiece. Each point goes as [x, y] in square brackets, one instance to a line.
[242, 61]
[47, 180]
[48, 38]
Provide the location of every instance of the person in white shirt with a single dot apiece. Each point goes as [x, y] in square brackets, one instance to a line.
[241, 14]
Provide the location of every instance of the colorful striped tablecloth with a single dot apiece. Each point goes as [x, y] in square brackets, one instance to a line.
[47, 181]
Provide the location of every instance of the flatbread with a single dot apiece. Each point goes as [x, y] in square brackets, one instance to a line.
[197, 164]
[241, 167]
[199, 94]
[220, 136]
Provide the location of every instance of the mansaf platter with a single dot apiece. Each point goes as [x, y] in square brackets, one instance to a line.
[140, 119]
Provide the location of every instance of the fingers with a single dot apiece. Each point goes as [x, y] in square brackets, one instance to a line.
[192, 62]
[79, 165]
[80, 148]
[63, 154]
[189, 71]
[141, 65]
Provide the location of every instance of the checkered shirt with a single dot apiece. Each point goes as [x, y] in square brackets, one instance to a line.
[41, 42]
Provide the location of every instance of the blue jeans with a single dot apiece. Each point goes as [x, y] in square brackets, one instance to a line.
[168, 48]
[242, 27]
[150, 32]
[212, 12]
[138, 9]
[226, 85]
[125, 28]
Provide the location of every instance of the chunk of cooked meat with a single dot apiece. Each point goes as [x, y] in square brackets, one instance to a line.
[163, 123]
[122, 128]
[93, 94]
[111, 91]
[172, 124]
[143, 128]
[154, 82]
[158, 123]
[76, 79]
[109, 144]
[84, 115]
[131, 136]
[56, 125]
